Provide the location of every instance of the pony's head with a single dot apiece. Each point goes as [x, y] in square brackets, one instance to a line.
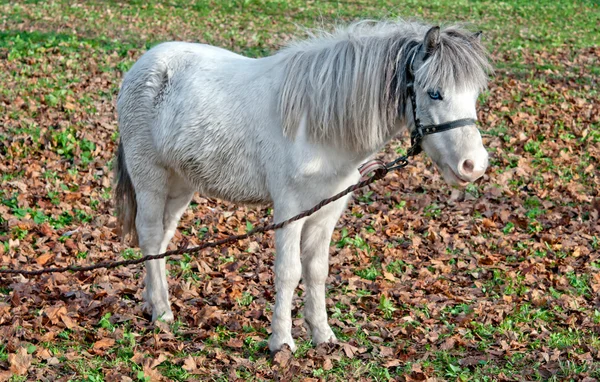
[448, 70]
[351, 89]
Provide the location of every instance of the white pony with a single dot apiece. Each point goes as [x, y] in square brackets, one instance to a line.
[289, 129]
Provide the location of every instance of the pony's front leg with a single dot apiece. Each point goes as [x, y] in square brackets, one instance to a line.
[288, 270]
[316, 237]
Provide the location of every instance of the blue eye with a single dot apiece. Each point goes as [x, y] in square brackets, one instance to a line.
[434, 94]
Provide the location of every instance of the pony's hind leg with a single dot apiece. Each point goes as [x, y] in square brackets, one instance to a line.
[175, 199]
[179, 197]
[149, 225]
[316, 237]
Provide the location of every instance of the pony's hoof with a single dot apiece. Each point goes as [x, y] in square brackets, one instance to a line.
[164, 315]
[324, 335]
[276, 343]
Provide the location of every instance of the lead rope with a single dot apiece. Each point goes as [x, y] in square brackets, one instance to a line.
[377, 168]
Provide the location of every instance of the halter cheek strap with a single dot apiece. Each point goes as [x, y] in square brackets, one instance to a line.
[420, 131]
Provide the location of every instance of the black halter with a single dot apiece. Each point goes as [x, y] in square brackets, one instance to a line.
[420, 131]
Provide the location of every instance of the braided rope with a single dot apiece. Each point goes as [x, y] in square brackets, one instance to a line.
[379, 172]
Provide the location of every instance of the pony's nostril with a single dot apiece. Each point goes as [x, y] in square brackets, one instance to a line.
[468, 167]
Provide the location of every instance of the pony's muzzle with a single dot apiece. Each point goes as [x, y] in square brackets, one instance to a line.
[472, 168]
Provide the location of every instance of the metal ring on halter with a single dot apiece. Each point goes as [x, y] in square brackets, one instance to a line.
[397, 163]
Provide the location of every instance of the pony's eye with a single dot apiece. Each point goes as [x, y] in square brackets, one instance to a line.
[434, 94]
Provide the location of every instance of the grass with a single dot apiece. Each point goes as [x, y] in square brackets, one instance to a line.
[54, 51]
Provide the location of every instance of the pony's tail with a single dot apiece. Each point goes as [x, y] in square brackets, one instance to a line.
[125, 202]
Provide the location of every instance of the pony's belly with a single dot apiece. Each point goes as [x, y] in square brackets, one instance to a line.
[227, 182]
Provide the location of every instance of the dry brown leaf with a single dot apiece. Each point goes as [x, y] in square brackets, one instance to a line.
[349, 350]
[5, 375]
[137, 358]
[488, 223]
[389, 276]
[43, 354]
[20, 361]
[44, 258]
[190, 364]
[235, 343]
[103, 343]
[448, 343]
[158, 360]
[55, 313]
[46, 230]
[68, 321]
[282, 357]
[153, 374]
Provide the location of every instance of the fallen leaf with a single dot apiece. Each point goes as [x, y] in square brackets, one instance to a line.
[20, 361]
[103, 343]
[448, 344]
[189, 364]
[153, 374]
[43, 259]
[5, 375]
[282, 357]
[235, 343]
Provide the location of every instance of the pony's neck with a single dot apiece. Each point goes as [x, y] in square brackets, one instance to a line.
[347, 91]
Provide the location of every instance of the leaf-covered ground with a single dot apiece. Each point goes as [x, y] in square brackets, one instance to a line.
[500, 282]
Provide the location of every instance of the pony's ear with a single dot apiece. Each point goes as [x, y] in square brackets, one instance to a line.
[477, 35]
[432, 41]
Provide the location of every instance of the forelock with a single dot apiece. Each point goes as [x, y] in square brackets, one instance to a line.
[460, 62]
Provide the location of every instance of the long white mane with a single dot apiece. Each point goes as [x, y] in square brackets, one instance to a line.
[350, 84]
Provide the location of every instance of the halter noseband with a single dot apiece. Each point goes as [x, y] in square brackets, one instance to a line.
[420, 131]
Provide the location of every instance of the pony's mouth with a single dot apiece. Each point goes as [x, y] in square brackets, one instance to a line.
[454, 179]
